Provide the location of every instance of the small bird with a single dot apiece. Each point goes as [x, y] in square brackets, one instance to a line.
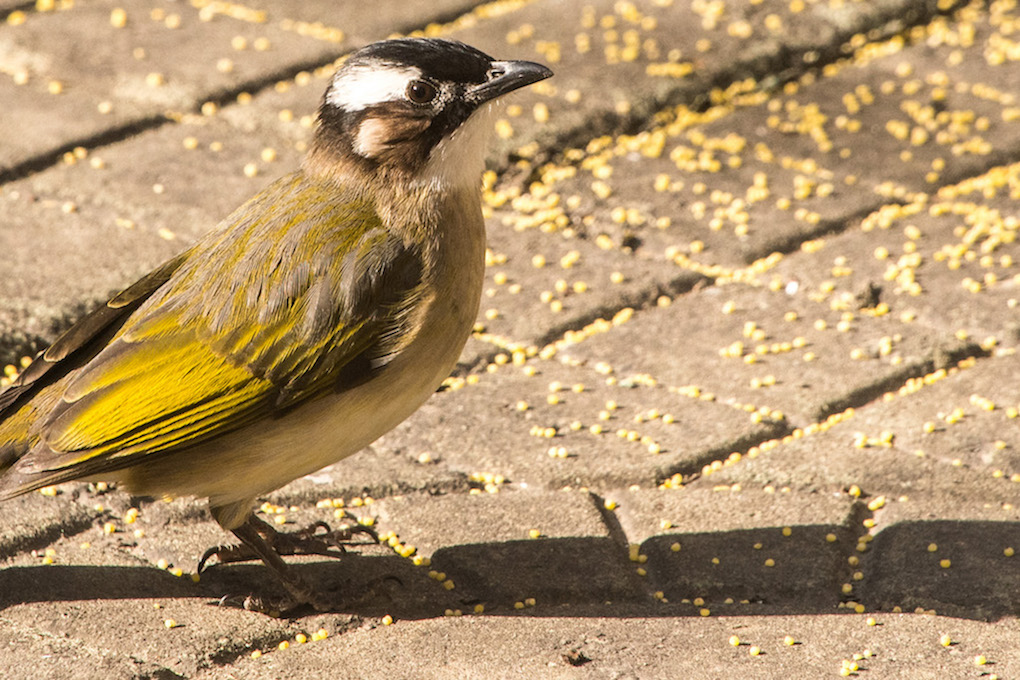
[315, 318]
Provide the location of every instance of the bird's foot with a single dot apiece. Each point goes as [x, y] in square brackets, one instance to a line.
[328, 542]
[275, 608]
[259, 540]
[298, 596]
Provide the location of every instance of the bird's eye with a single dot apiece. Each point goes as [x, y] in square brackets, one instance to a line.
[421, 92]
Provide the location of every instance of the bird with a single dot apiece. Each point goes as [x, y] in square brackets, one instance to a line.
[312, 320]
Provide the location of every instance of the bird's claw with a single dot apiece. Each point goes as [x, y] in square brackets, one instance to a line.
[340, 537]
[308, 541]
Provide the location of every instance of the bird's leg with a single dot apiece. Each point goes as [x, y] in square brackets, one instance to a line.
[249, 535]
[259, 540]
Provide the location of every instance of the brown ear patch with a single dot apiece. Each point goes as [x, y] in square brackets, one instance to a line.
[385, 138]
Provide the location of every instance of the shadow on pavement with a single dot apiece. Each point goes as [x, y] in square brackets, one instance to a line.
[755, 571]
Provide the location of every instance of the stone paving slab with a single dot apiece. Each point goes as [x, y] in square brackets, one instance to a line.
[129, 613]
[808, 498]
[763, 547]
[915, 260]
[31, 522]
[928, 480]
[488, 551]
[136, 72]
[622, 647]
[50, 659]
[33, 235]
[775, 351]
[958, 563]
[538, 287]
[583, 438]
[952, 424]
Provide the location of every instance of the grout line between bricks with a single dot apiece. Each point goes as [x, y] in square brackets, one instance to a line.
[997, 159]
[50, 158]
[72, 526]
[638, 300]
[695, 468]
[458, 483]
[859, 513]
[618, 536]
[940, 358]
[905, 389]
[609, 519]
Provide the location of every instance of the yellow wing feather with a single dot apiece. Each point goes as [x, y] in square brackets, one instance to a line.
[263, 313]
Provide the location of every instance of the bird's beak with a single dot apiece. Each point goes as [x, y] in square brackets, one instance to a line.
[507, 76]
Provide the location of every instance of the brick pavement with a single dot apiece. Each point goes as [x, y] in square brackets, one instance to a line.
[746, 362]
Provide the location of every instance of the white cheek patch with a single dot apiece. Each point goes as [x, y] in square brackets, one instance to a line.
[358, 87]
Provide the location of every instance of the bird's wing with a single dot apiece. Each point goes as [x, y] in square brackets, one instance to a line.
[300, 290]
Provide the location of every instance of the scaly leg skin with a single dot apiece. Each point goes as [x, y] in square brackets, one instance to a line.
[259, 540]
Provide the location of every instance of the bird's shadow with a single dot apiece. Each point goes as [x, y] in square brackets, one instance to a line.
[754, 571]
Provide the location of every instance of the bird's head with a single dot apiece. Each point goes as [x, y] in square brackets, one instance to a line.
[413, 108]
